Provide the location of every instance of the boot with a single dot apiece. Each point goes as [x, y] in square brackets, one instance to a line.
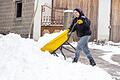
[75, 60]
[92, 62]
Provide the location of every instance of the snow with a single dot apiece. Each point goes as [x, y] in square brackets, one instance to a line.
[111, 49]
[1, 35]
[21, 59]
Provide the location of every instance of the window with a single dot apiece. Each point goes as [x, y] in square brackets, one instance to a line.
[18, 9]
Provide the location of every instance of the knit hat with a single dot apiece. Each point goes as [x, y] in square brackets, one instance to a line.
[79, 10]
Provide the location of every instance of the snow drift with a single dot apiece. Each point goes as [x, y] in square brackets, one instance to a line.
[21, 59]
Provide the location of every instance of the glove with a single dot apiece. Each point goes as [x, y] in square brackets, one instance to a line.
[79, 21]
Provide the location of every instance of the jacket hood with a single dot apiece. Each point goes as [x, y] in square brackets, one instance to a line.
[80, 11]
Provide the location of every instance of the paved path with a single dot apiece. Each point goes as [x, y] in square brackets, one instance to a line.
[112, 69]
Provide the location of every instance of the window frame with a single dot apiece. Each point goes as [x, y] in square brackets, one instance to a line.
[18, 15]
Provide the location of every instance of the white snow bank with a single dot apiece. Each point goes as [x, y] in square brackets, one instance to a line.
[1, 35]
[21, 59]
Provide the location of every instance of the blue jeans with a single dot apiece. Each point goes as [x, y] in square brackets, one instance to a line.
[82, 45]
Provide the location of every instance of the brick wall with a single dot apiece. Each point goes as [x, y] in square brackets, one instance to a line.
[8, 20]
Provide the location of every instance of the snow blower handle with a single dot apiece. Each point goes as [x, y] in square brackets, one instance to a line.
[70, 33]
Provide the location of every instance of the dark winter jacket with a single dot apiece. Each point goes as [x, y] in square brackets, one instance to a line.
[81, 29]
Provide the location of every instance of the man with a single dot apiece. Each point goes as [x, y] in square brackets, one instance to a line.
[81, 24]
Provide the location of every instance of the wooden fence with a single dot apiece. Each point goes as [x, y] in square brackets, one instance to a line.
[89, 7]
[115, 21]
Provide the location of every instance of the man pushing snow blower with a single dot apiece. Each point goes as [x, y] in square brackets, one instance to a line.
[81, 24]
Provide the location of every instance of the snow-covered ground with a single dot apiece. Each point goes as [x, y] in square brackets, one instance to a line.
[1, 35]
[111, 50]
[21, 59]
[108, 47]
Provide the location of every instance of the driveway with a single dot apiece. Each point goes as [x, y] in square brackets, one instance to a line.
[112, 69]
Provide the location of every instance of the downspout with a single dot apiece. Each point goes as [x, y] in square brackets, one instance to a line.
[52, 11]
[31, 24]
[110, 36]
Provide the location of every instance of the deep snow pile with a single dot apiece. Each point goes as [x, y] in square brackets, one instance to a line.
[21, 59]
[1, 35]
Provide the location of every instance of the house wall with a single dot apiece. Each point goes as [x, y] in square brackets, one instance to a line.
[6, 16]
[115, 21]
[8, 20]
